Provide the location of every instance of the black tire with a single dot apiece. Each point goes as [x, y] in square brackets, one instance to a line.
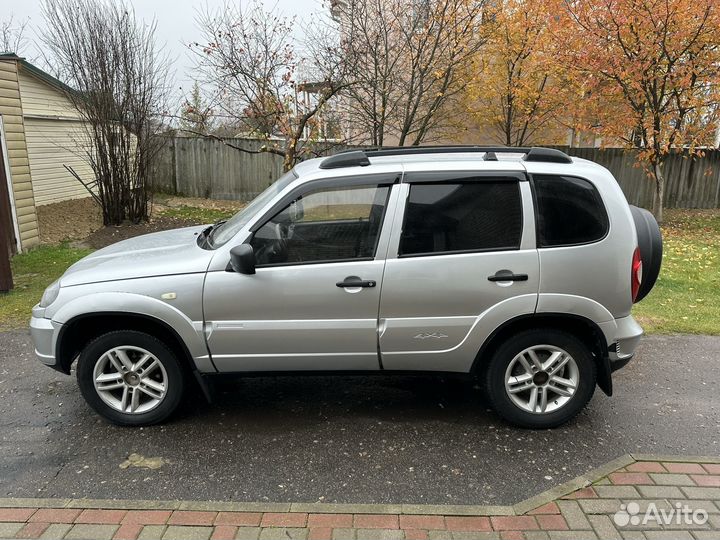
[504, 355]
[175, 377]
[650, 243]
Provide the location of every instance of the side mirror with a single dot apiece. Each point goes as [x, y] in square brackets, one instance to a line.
[242, 259]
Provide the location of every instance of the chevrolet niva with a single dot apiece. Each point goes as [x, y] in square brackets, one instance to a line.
[518, 266]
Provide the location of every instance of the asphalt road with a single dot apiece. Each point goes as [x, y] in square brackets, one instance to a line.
[347, 439]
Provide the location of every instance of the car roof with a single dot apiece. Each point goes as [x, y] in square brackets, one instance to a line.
[455, 159]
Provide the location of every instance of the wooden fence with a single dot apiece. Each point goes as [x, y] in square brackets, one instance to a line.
[690, 182]
[197, 167]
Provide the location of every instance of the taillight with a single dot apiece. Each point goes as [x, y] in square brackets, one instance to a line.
[636, 274]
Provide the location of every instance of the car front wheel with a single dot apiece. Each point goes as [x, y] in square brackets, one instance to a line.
[130, 378]
[541, 378]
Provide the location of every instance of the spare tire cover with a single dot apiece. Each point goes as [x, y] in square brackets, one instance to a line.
[650, 244]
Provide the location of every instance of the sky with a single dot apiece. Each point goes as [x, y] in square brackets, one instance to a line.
[175, 25]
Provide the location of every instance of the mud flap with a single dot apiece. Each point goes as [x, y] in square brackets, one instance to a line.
[205, 385]
[604, 375]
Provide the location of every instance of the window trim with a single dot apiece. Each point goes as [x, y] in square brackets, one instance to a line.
[441, 177]
[507, 178]
[306, 263]
[459, 252]
[298, 193]
[536, 207]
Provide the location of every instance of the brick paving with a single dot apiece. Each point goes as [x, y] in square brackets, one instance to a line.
[612, 506]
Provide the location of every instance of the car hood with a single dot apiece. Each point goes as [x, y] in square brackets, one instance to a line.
[157, 254]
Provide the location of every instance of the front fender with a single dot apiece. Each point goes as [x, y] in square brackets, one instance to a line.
[136, 304]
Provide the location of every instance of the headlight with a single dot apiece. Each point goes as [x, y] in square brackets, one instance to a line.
[50, 294]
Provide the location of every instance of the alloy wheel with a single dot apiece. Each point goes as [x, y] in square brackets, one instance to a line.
[542, 379]
[130, 379]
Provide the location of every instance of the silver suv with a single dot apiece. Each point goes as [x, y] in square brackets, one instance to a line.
[518, 266]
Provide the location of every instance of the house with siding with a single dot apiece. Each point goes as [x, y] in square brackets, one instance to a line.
[40, 133]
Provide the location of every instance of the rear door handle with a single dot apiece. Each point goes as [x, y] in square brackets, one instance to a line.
[354, 281]
[507, 275]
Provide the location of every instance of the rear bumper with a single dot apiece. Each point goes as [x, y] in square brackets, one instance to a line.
[618, 364]
[623, 336]
[43, 333]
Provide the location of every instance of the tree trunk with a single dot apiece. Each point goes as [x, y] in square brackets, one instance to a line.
[659, 191]
[289, 159]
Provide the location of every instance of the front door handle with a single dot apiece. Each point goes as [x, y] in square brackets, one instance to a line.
[507, 275]
[351, 282]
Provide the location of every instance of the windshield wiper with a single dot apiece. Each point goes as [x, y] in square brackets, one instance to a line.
[205, 236]
[212, 229]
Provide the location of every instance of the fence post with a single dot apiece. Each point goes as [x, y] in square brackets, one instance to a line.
[174, 164]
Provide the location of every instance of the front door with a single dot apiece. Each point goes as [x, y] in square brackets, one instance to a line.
[461, 261]
[313, 302]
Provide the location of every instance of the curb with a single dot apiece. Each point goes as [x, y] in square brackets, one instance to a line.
[581, 481]
[519, 508]
[676, 459]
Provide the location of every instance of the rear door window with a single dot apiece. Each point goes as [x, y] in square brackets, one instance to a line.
[570, 211]
[472, 215]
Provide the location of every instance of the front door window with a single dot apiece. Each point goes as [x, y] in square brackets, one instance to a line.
[328, 225]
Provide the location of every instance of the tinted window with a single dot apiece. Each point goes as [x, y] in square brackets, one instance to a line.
[570, 211]
[480, 215]
[324, 225]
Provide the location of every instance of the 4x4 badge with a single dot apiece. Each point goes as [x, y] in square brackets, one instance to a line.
[428, 335]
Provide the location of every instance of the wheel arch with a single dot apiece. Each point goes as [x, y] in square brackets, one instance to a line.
[76, 333]
[581, 327]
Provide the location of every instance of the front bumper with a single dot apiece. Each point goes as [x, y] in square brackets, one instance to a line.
[44, 333]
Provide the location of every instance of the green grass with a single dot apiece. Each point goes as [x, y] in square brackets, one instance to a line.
[686, 297]
[32, 272]
[199, 215]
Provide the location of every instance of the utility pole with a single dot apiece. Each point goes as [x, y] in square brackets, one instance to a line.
[6, 230]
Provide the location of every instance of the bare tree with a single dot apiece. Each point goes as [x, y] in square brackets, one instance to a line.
[118, 84]
[12, 35]
[273, 86]
[405, 59]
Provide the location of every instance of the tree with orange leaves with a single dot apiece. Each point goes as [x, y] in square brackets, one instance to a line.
[515, 87]
[650, 71]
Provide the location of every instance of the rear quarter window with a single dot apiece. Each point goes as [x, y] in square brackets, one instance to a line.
[570, 211]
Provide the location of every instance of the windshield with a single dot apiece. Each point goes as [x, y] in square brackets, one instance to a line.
[225, 231]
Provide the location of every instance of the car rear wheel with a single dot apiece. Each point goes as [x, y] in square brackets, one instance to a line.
[540, 378]
[130, 378]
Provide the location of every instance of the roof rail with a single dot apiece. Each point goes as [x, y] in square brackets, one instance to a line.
[349, 158]
[448, 149]
[547, 155]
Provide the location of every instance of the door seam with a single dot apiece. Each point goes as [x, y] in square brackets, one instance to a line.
[396, 185]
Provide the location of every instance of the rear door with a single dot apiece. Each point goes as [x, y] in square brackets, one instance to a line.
[462, 259]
